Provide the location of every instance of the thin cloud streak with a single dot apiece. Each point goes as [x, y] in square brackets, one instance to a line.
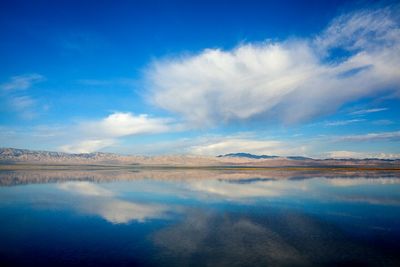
[344, 154]
[384, 136]
[343, 122]
[367, 111]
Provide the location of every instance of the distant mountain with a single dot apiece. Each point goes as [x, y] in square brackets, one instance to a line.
[299, 158]
[14, 152]
[247, 155]
[23, 156]
[252, 156]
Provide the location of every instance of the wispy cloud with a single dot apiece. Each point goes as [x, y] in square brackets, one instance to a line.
[24, 105]
[367, 111]
[343, 122]
[22, 102]
[383, 122]
[291, 81]
[383, 136]
[366, 29]
[14, 92]
[344, 154]
[21, 82]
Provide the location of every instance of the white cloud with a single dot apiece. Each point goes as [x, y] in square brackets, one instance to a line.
[227, 145]
[95, 135]
[123, 124]
[236, 145]
[22, 82]
[87, 146]
[360, 155]
[290, 81]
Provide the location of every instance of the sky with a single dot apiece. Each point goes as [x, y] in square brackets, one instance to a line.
[305, 78]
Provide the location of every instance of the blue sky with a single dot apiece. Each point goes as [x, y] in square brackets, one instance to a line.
[313, 78]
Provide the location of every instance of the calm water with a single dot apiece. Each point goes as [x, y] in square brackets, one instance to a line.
[199, 218]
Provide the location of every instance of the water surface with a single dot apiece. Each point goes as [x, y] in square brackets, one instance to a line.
[199, 218]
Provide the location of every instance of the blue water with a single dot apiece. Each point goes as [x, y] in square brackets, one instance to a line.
[164, 218]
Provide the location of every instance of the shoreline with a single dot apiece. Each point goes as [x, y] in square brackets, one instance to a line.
[25, 166]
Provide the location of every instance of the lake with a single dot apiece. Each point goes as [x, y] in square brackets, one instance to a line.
[199, 218]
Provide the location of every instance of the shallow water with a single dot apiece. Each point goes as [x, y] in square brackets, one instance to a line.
[199, 218]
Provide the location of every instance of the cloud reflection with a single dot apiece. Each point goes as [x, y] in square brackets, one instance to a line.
[231, 190]
[319, 188]
[85, 188]
[119, 211]
[103, 202]
[277, 238]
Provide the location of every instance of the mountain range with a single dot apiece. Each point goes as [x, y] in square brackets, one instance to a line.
[10, 156]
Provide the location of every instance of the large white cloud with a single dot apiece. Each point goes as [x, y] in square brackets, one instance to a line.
[292, 80]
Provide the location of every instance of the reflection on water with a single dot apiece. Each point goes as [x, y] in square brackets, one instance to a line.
[93, 199]
[271, 239]
[199, 218]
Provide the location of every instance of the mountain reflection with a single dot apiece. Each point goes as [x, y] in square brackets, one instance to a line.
[244, 187]
[16, 177]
